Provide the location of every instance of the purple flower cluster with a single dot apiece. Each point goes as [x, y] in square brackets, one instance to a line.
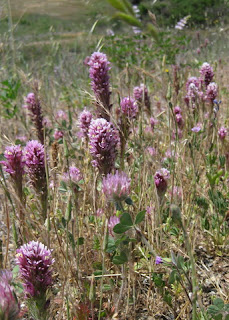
[35, 163]
[153, 122]
[211, 92]
[195, 81]
[103, 141]
[58, 134]
[116, 187]
[177, 110]
[129, 107]
[222, 133]
[178, 117]
[33, 105]
[141, 94]
[14, 163]
[84, 121]
[112, 223]
[181, 24]
[207, 73]
[61, 115]
[99, 68]
[9, 307]
[35, 261]
[193, 94]
[160, 179]
[74, 175]
[158, 260]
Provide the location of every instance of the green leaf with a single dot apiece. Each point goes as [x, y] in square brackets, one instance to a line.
[173, 258]
[180, 262]
[129, 201]
[111, 245]
[126, 219]
[157, 279]
[117, 4]
[80, 241]
[168, 298]
[120, 228]
[15, 271]
[213, 310]
[128, 19]
[107, 287]
[174, 276]
[120, 259]
[218, 303]
[63, 187]
[140, 217]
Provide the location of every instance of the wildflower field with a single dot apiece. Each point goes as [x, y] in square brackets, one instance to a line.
[114, 163]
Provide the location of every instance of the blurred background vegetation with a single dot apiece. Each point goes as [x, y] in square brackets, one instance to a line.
[50, 36]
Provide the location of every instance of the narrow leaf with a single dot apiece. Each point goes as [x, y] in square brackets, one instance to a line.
[117, 4]
[128, 19]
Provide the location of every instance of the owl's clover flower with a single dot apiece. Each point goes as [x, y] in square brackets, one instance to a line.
[98, 71]
[35, 162]
[129, 107]
[193, 95]
[141, 94]
[73, 174]
[85, 118]
[211, 92]
[179, 120]
[103, 141]
[14, 163]
[153, 122]
[222, 133]
[34, 106]
[195, 81]
[116, 187]
[161, 180]
[177, 110]
[35, 262]
[207, 73]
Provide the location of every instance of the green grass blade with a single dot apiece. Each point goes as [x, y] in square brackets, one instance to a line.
[129, 7]
[128, 19]
[152, 30]
[117, 4]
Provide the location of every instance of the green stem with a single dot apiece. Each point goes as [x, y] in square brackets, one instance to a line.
[193, 270]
